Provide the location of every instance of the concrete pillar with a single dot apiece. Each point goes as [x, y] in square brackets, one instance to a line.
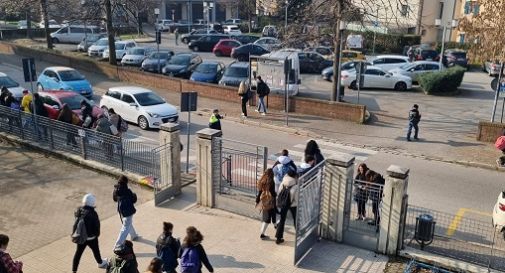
[229, 12]
[170, 163]
[392, 211]
[208, 168]
[339, 172]
[163, 9]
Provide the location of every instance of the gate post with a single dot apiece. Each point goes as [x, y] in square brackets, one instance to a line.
[208, 167]
[339, 171]
[170, 157]
[392, 209]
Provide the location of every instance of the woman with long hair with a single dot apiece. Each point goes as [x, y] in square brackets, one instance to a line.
[66, 115]
[312, 149]
[361, 191]
[155, 266]
[191, 250]
[265, 200]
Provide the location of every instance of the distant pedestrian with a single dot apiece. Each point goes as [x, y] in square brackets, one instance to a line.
[167, 248]
[287, 200]
[126, 209]
[265, 201]
[411, 54]
[12, 102]
[124, 259]
[263, 90]
[104, 126]
[360, 191]
[176, 33]
[86, 231]
[116, 121]
[375, 190]
[192, 254]
[26, 101]
[306, 166]
[38, 108]
[3, 94]
[67, 115]
[313, 149]
[281, 168]
[156, 266]
[6, 261]
[243, 92]
[414, 119]
[87, 114]
[215, 120]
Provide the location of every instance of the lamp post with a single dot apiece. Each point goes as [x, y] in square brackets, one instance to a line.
[207, 7]
[343, 25]
[157, 13]
[286, 15]
[438, 23]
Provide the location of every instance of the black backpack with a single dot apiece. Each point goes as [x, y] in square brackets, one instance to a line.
[2, 266]
[284, 198]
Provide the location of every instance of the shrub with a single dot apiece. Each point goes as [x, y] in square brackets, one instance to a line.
[442, 82]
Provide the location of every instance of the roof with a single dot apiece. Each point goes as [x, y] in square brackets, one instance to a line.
[59, 68]
[130, 89]
[392, 56]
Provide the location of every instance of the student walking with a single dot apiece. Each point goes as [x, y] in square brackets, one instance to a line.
[7, 264]
[265, 201]
[86, 231]
[287, 200]
[167, 248]
[360, 191]
[125, 199]
[192, 254]
[124, 259]
[312, 149]
[414, 119]
[215, 120]
[176, 33]
[375, 190]
[281, 168]
[243, 92]
[263, 90]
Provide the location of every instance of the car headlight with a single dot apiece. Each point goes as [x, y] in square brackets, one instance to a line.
[153, 115]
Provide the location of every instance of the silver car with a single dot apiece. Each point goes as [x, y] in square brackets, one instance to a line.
[89, 41]
[413, 70]
[135, 56]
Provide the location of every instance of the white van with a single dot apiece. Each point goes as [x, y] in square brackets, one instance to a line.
[73, 34]
[271, 69]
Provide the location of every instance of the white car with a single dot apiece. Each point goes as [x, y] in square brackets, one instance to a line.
[388, 62]
[135, 56]
[12, 86]
[232, 21]
[139, 105]
[164, 25]
[499, 213]
[268, 43]
[413, 70]
[97, 49]
[121, 49]
[375, 77]
[232, 30]
[52, 24]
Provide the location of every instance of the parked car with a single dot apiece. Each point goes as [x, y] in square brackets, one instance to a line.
[196, 34]
[182, 65]
[121, 48]
[388, 62]
[135, 56]
[52, 24]
[54, 101]
[268, 43]
[352, 55]
[73, 34]
[426, 54]
[454, 57]
[232, 21]
[64, 78]
[208, 71]
[225, 46]
[97, 49]
[164, 25]
[492, 68]
[312, 62]
[235, 73]
[155, 60]
[88, 41]
[23, 24]
[207, 42]
[375, 77]
[245, 39]
[327, 73]
[325, 51]
[243, 52]
[140, 106]
[498, 219]
[414, 69]
[269, 31]
[11, 85]
[232, 30]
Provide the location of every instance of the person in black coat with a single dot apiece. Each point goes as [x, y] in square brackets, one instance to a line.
[265, 200]
[124, 257]
[414, 119]
[263, 90]
[193, 240]
[125, 199]
[92, 224]
[87, 114]
[360, 191]
[375, 190]
[167, 248]
[313, 149]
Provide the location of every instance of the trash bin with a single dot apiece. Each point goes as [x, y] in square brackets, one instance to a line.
[425, 229]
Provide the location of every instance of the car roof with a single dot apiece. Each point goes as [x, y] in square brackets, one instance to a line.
[267, 38]
[59, 68]
[125, 41]
[425, 62]
[130, 89]
[392, 56]
[140, 47]
[239, 64]
[186, 53]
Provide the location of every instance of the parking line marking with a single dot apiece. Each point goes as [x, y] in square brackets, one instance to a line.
[459, 216]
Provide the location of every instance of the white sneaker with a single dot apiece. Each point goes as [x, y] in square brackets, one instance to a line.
[104, 264]
[263, 114]
[256, 110]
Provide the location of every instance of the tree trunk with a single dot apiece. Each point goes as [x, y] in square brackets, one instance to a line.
[110, 33]
[336, 43]
[139, 24]
[45, 17]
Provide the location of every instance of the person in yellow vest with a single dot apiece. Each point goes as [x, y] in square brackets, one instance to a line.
[215, 120]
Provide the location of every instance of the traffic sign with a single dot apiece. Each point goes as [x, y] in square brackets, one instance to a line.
[29, 70]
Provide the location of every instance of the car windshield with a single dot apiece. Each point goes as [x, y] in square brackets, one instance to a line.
[429, 53]
[70, 75]
[238, 72]
[148, 98]
[206, 68]
[103, 43]
[74, 101]
[136, 51]
[120, 46]
[157, 55]
[407, 66]
[179, 60]
[459, 54]
[8, 82]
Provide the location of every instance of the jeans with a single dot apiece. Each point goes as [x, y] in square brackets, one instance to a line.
[279, 233]
[126, 229]
[416, 130]
[244, 105]
[361, 207]
[93, 244]
[261, 105]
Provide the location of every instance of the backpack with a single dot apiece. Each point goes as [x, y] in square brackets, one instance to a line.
[282, 171]
[122, 126]
[80, 234]
[267, 201]
[190, 260]
[168, 257]
[500, 143]
[284, 198]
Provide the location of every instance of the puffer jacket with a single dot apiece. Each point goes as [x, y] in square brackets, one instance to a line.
[91, 221]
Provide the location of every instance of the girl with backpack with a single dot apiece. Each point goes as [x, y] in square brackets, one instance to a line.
[287, 200]
[192, 254]
[125, 199]
[265, 200]
[86, 231]
[167, 248]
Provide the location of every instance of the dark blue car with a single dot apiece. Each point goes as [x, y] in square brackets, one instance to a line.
[208, 71]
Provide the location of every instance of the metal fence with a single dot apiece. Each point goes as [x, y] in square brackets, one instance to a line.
[89, 144]
[459, 237]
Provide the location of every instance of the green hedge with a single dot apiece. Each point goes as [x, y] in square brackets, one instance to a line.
[444, 82]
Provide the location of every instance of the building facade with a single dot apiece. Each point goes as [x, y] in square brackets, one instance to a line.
[193, 10]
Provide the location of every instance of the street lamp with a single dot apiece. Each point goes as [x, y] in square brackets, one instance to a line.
[342, 27]
[438, 23]
[207, 6]
[157, 13]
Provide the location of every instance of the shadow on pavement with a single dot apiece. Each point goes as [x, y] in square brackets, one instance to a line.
[223, 261]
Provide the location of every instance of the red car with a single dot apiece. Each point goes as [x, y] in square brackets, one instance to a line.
[224, 47]
[54, 100]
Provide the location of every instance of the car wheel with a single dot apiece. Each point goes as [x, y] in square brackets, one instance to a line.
[353, 85]
[55, 40]
[400, 86]
[40, 88]
[143, 123]
[185, 40]
[196, 49]
[218, 53]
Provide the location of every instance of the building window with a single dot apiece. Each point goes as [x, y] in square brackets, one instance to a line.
[461, 38]
[404, 11]
[441, 12]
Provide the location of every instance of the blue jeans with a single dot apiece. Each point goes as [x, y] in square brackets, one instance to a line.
[416, 130]
[126, 229]
[261, 105]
